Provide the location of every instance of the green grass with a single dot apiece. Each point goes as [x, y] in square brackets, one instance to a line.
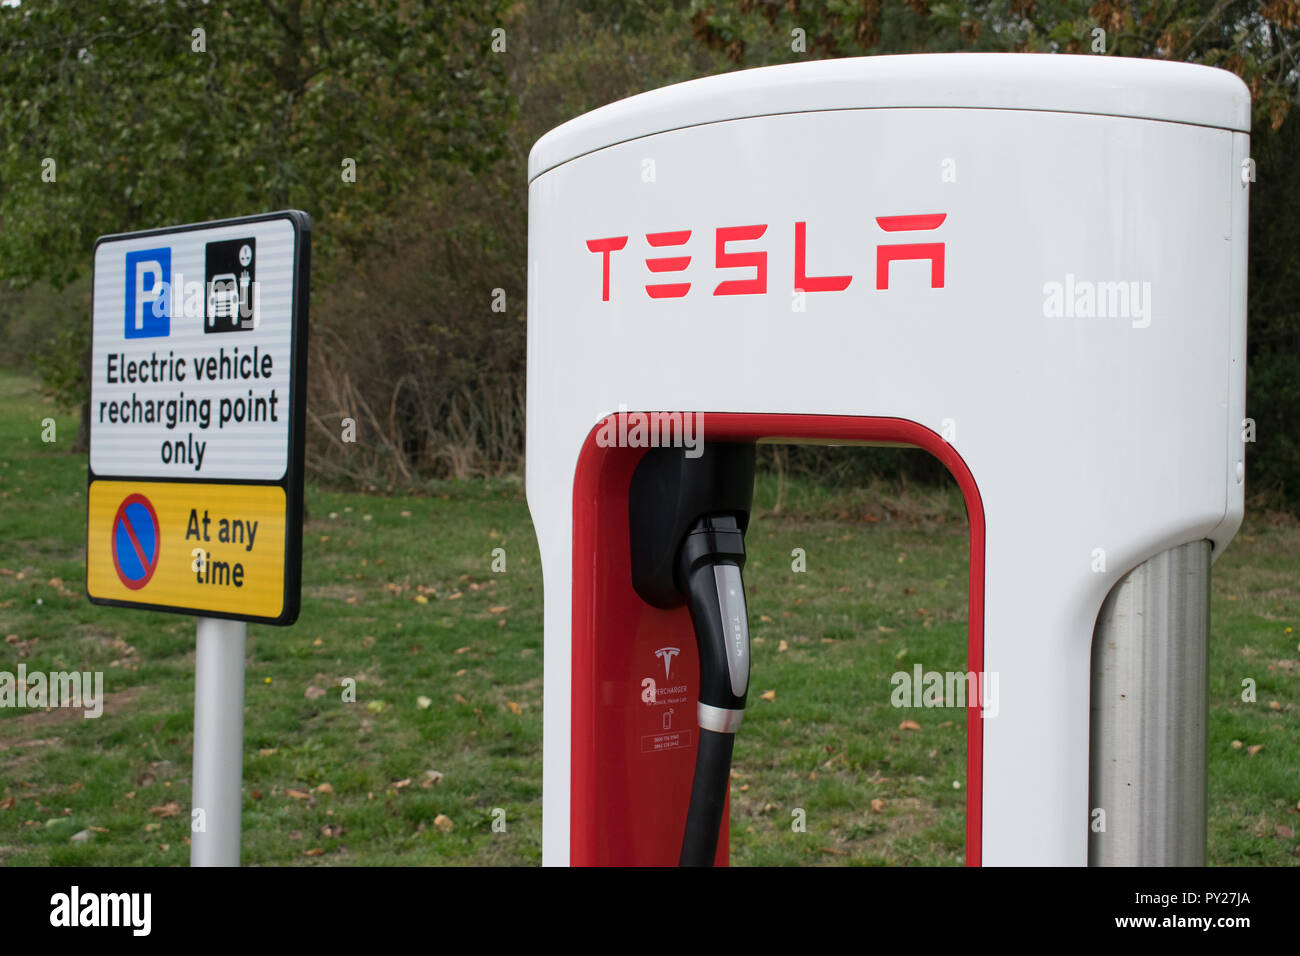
[885, 587]
[473, 649]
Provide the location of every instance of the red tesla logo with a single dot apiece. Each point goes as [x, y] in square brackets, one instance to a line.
[673, 243]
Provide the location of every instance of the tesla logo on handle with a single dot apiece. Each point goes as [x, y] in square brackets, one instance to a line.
[667, 653]
[673, 242]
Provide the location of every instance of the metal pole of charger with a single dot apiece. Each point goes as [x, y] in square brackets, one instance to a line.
[1150, 714]
[218, 742]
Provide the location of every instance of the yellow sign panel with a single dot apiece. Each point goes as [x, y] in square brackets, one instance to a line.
[188, 546]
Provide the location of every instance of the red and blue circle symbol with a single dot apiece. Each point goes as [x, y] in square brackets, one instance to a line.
[136, 541]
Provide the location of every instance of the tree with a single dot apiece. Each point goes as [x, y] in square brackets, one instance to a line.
[130, 114]
[146, 114]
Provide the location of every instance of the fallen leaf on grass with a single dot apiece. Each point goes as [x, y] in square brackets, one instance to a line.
[877, 805]
[331, 831]
[267, 751]
[314, 693]
[514, 708]
[325, 788]
[8, 803]
[166, 809]
[909, 725]
[783, 647]
[443, 823]
[315, 851]
[402, 784]
[768, 695]
[297, 794]
[424, 703]
[461, 650]
[1254, 749]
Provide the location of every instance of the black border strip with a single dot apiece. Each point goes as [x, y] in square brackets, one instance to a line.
[292, 481]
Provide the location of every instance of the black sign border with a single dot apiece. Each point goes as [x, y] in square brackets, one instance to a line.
[292, 480]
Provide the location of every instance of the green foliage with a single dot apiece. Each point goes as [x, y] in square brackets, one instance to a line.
[62, 378]
[1273, 337]
[180, 110]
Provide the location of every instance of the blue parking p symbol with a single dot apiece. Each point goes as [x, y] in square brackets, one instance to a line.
[148, 296]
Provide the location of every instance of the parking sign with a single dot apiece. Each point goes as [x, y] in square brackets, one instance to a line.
[148, 284]
[196, 438]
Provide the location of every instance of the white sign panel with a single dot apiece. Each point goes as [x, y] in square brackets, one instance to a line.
[193, 343]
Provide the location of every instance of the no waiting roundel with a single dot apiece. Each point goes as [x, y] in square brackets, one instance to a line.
[136, 540]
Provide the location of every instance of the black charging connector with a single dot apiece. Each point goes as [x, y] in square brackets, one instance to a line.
[686, 522]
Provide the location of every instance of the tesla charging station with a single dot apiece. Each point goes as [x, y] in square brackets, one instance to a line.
[1033, 267]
